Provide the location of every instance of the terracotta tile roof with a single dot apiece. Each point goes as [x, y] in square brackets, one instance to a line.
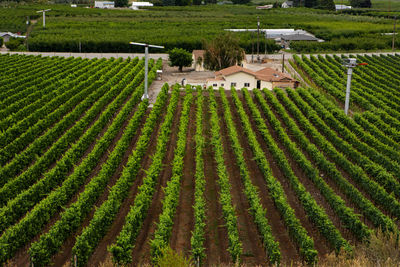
[234, 69]
[266, 74]
[271, 75]
[216, 79]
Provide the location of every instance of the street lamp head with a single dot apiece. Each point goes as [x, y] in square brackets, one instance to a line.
[146, 45]
[350, 62]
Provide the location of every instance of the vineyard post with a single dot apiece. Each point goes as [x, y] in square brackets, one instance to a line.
[350, 63]
[146, 65]
[75, 261]
[44, 16]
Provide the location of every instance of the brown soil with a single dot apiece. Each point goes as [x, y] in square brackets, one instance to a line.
[141, 251]
[216, 235]
[22, 256]
[287, 246]
[65, 253]
[344, 174]
[305, 181]
[55, 123]
[319, 241]
[184, 217]
[88, 127]
[332, 184]
[253, 251]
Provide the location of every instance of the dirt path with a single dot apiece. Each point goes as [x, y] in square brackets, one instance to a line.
[65, 253]
[184, 217]
[332, 184]
[216, 235]
[288, 248]
[141, 251]
[319, 241]
[304, 180]
[253, 251]
[22, 256]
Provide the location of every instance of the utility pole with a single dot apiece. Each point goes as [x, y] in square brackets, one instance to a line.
[265, 48]
[258, 39]
[146, 65]
[283, 62]
[252, 47]
[394, 32]
[44, 16]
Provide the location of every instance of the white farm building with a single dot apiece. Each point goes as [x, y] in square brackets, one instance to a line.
[136, 5]
[240, 77]
[103, 4]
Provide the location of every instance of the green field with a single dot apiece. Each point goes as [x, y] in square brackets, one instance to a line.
[188, 27]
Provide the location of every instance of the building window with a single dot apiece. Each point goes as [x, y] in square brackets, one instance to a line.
[215, 85]
[246, 84]
[233, 84]
[222, 85]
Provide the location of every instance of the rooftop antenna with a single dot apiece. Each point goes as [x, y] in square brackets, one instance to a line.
[146, 64]
[44, 16]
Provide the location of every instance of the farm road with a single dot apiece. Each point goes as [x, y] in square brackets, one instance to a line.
[165, 56]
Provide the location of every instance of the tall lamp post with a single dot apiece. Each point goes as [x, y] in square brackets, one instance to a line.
[44, 16]
[350, 64]
[146, 64]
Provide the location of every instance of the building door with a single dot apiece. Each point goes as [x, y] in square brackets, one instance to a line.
[258, 84]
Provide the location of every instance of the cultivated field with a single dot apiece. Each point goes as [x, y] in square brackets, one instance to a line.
[89, 172]
[95, 30]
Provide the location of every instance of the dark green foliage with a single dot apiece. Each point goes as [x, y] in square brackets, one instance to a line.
[241, 2]
[179, 57]
[222, 52]
[361, 3]
[14, 43]
[168, 2]
[121, 3]
[321, 4]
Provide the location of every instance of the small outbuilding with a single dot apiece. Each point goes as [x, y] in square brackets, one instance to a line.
[287, 4]
[342, 7]
[198, 60]
[240, 77]
[286, 39]
[7, 35]
[104, 4]
[265, 7]
[136, 5]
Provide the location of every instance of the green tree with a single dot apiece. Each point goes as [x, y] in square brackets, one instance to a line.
[222, 52]
[241, 2]
[179, 57]
[361, 3]
[121, 3]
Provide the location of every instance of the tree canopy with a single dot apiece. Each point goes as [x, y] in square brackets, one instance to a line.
[121, 3]
[222, 52]
[179, 57]
[361, 3]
